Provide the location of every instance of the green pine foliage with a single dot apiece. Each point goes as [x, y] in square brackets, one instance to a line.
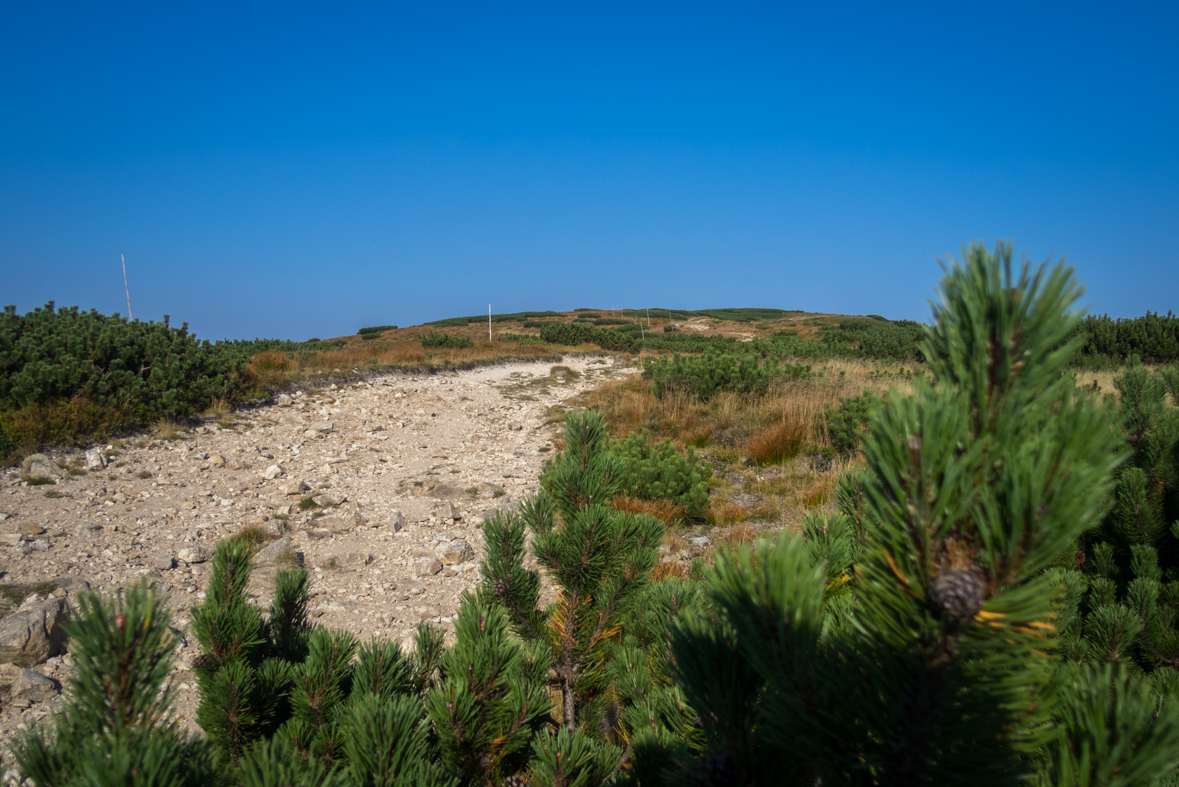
[704, 376]
[975, 489]
[1123, 604]
[431, 339]
[1109, 342]
[847, 423]
[600, 560]
[657, 471]
[118, 727]
[573, 334]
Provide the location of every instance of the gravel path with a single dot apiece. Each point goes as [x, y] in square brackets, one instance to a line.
[403, 467]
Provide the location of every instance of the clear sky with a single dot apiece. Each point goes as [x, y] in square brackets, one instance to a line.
[298, 170]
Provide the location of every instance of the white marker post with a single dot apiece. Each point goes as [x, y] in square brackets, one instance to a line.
[130, 316]
[489, 323]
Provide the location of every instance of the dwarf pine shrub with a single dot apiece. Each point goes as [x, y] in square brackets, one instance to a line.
[440, 339]
[657, 471]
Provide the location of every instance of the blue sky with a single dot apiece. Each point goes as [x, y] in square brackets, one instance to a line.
[302, 170]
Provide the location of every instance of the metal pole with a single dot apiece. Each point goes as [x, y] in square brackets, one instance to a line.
[489, 323]
[130, 316]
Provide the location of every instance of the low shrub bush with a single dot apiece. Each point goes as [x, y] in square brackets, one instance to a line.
[657, 471]
[847, 423]
[439, 339]
[706, 375]
[573, 334]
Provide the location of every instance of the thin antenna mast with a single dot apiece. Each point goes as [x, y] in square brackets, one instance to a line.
[126, 287]
[489, 323]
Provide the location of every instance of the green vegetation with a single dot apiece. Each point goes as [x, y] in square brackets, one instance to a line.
[1109, 343]
[706, 375]
[573, 334]
[439, 339]
[376, 329]
[847, 423]
[68, 375]
[657, 471]
[879, 338]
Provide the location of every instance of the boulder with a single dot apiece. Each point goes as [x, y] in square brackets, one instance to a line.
[488, 491]
[446, 511]
[41, 466]
[33, 633]
[457, 551]
[322, 427]
[95, 459]
[32, 686]
[217, 460]
[273, 472]
[350, 559]
[10, 539]
[163, 563]
[397, 521]
[31, 529]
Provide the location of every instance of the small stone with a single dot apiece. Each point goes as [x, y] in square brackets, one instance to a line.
[295, 487]
[446, 511]
[32, 686]
[322, 427]
[10, 539]
[350, 559]
[284, 510]
[30, 529]
[515, 426]
[428, 612]
[427, 567]
[700, 541]
[196, 554]
[457, 551]
[350, 520]
[217, 460]
[397, 521]
[163, 563]
[273, 472]
[88, 531]
[58, 593]
[95, 459]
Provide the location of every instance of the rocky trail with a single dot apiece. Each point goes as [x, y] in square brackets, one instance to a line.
[377, 488]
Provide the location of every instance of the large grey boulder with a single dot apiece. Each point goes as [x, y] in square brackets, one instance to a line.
[33, 633]
[95, 459]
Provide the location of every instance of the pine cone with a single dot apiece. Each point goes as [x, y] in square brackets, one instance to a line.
[515, 780]
[501, 588]
[958, 592]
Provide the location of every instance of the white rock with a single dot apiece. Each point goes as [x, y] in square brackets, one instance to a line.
[196, 554]
[95, 459]
[274, 471]
[322, 427]
[397, 521]
[457, 551]
[427, 567]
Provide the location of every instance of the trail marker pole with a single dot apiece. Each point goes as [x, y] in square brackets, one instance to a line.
[489, 323]
[126, 287]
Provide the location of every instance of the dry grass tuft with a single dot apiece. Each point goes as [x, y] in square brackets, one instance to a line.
[166, 429]
[665, 511]
[737, 535]
[670, 569]
[254, 536]
[777, 443]
[725, 513]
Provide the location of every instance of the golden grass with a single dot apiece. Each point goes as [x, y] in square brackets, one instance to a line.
[769, 428]
[725, 513]
[665, 511]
